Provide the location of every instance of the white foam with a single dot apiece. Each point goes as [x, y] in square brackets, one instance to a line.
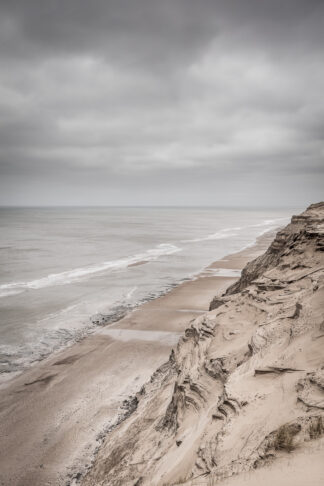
[220, 235]
[69, 276]
[229, 232]
[269, 222]
[58, 314]
[130, 294]
[6, 291]
[77, 274]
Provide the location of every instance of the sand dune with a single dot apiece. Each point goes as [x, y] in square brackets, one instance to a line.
[241, 399]
[54, 416]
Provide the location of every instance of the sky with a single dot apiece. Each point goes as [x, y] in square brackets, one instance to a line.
[169, 102]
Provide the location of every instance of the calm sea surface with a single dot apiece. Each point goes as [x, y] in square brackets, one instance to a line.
[65, 271]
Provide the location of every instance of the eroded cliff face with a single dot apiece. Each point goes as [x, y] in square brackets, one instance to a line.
[245, 384]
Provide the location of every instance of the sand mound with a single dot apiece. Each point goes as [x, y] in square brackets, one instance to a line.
[244, 388]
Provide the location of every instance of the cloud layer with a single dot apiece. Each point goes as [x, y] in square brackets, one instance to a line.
[161, 102]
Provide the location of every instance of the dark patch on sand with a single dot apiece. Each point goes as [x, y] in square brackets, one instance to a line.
[142, 262]
[46, 380]
[68, 360]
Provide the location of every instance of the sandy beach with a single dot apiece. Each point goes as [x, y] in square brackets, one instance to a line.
[54, 416]
[161, 243]
[240, 400]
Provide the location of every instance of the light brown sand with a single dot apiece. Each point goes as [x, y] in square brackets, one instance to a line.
[51, 415]
[303, 468]
[241, 399]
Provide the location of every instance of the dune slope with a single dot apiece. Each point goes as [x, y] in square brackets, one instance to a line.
[244, 389]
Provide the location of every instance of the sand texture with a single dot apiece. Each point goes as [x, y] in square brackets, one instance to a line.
[241, 399]
[54, 416]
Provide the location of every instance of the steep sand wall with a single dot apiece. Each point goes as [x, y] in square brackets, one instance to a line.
[244, 387]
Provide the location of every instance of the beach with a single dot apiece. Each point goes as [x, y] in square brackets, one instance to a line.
[241, 398]
[161, 243]
[54, 415]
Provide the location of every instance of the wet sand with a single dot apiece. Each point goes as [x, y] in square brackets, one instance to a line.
[53, 416]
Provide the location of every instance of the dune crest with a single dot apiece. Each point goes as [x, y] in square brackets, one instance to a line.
[244, 387]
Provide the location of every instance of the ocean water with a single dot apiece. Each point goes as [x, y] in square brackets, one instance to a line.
[64, 272]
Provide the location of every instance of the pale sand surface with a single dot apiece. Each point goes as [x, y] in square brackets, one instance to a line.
[51, 415]
[303, 468]
[243, 392]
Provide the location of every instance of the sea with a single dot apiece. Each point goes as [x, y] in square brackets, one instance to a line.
[66, 272]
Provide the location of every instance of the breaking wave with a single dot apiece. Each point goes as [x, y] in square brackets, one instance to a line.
[220, 235]
[228, 232]
[76, 274]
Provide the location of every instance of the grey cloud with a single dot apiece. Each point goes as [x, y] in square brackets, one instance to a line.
[161, 102]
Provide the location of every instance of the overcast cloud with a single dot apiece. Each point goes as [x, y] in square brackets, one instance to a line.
[152, 102]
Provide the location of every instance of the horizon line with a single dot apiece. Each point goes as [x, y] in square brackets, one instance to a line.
[129, 206]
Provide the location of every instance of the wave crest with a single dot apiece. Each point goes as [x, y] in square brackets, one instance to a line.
[76, 274]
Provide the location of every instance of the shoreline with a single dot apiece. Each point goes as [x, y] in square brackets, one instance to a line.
[55, 414]
[118, 311]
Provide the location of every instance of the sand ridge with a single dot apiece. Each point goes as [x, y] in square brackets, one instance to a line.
[244, 389]
[54, 416]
